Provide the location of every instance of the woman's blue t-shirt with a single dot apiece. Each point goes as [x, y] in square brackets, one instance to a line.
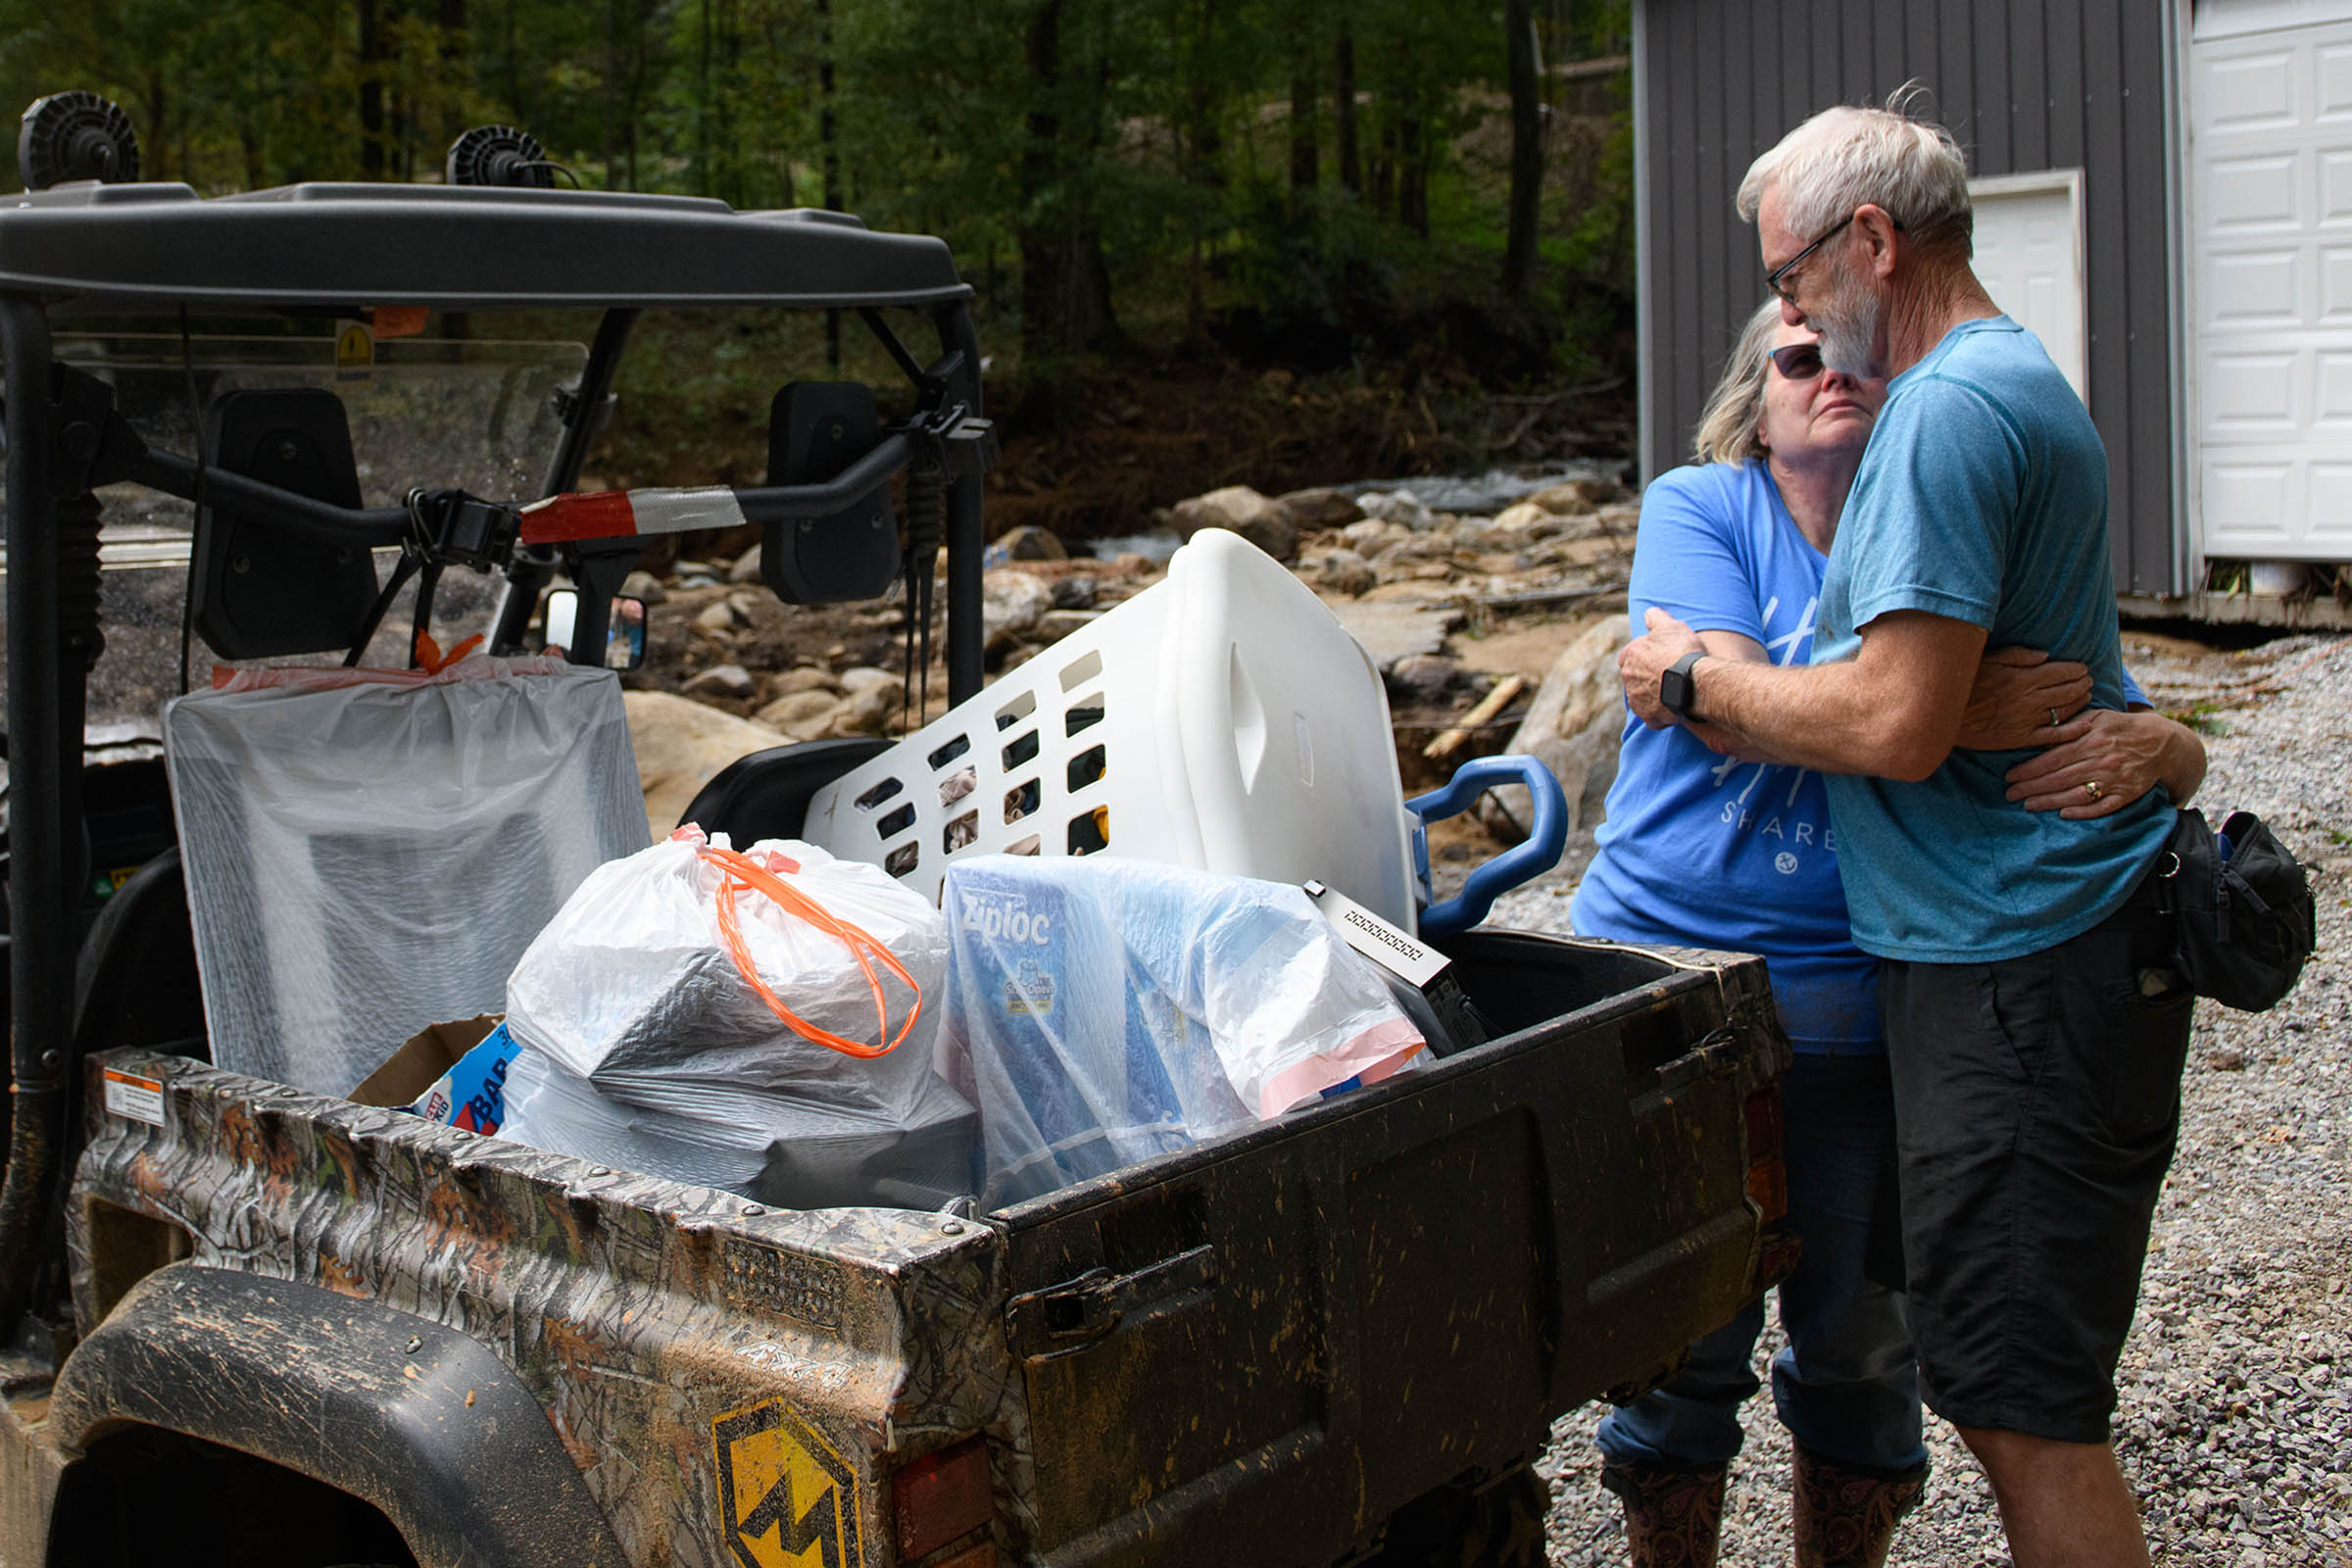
[1702, 851]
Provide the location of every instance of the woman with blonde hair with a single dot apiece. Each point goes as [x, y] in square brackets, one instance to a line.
[1700, 850]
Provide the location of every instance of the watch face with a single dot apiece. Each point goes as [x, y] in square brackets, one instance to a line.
[1676, 689]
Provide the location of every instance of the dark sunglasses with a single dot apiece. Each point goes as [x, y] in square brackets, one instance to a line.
[1796, 362]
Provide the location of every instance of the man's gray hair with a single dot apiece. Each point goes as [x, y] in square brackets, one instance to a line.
[1844, 157]
[1727, 425]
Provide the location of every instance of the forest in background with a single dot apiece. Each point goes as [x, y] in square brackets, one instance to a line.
[1408, 194]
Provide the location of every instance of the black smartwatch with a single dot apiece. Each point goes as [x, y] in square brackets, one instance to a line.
[1677, 691]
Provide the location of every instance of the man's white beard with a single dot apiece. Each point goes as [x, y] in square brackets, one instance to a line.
[1848, 325]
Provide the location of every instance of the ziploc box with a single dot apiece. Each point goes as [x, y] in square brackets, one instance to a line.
[451, 1073]
[1077, 1063]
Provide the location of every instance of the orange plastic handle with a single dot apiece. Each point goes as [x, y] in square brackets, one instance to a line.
[743, 874]
[432, 660]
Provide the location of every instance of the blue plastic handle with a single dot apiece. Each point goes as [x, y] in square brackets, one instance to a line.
[1546, 839]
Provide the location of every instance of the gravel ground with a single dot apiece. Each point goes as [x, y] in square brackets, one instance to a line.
[2235, 1424]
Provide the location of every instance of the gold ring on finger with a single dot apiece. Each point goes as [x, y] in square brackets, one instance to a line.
[2090, 787]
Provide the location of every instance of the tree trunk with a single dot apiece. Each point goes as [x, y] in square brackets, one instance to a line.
[1306, 164]
[1412, 174]
[371, 92]
[1343, 104]
[1526, 148]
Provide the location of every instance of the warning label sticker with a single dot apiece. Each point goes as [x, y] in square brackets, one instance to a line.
[136, 1098]
[786, 1496]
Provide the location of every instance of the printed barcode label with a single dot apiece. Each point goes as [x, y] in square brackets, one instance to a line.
[138, 1098]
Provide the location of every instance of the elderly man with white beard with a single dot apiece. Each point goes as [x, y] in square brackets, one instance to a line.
[2035, 1033]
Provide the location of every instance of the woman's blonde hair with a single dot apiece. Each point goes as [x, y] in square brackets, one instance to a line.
[1727, 425]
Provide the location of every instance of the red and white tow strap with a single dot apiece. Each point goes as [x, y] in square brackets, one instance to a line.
[621, 514]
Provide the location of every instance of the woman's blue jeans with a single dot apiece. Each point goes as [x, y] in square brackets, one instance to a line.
[1845, 1387]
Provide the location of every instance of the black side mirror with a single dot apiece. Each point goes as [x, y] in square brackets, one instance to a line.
[624, 630]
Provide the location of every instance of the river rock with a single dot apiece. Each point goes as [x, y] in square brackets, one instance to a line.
[1572, 728]
[644, 587]
[746, 567]
[1075, 592]
[1391, 630]
[1010, 605]
[1371, 537]
[1236, 507]
[721, 680]
[1399, 507]
[803, 716]
[1028, 542]
[681, 745]
[1577, 495]
[1342, 572]
[866, 678]
[869, 709]
[803, 678]
[1320, 508]
[719, 616]
[1423, 678]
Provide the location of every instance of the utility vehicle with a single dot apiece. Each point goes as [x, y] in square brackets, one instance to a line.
[244, 1323]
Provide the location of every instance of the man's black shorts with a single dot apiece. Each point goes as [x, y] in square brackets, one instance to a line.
[2036, 1102]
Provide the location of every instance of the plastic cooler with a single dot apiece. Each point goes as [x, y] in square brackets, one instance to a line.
[1221, 720]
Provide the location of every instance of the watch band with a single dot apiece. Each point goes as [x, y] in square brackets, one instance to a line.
[1678, 688]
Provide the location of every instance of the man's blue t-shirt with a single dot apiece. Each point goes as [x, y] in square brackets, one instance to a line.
[1981, 497]
[1702, 851]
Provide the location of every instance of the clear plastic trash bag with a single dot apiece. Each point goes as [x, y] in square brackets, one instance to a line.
[761, 1021]
[369, 851]
[1101, 1011]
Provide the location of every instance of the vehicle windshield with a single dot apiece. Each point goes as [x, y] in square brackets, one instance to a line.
[473, 412]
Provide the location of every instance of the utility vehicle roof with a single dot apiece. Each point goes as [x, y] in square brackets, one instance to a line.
[343, 247]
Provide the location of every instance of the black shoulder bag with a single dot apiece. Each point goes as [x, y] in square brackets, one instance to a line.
[2247, 918]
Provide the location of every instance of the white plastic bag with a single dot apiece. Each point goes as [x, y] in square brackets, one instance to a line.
[368, 852]
[1103, 1011]
[761, 1021]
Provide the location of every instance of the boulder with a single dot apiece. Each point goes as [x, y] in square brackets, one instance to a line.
[1055, 624]
[1010, 606]
[870, 710]
[1400, 506]
[1371, 537]
[1074, 592]
[1390, 631]
[746, 567]
[803, 716]
[1524, 518]
[680, 746]
[1423, 678]
[1577, 495]
[721, 680]
[1343, 572]
[803, 678]
[644, 587]
[1320, 508]
[865, 678]
[718, 617]
[1571, 727]
[1236, 507]
[1028, 542]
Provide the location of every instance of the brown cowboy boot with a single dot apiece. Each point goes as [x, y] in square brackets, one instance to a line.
[1845, 1517]
[1672, 1516]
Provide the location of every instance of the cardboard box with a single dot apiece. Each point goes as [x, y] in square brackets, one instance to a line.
[422, 1063]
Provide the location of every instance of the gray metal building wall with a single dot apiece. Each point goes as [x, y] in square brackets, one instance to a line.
[2024, 85]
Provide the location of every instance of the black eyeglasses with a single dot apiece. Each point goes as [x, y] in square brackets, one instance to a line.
[1772, 279]
[1796, 362]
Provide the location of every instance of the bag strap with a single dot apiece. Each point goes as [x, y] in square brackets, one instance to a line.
[742, 874]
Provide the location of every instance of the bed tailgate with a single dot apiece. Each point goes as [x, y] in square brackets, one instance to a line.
[1282, 1337]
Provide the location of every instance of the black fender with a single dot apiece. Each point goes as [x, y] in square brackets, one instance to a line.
[416, 1418]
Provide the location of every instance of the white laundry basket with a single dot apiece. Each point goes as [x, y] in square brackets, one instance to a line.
[1221, 720]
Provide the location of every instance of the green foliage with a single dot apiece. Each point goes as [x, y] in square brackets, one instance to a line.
[1145, 142]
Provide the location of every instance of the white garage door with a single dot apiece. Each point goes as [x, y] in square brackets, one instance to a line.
[2271, 278]
[2029, 258]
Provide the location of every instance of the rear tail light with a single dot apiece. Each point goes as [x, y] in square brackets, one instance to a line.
[1767, 1176]
[941, 1496]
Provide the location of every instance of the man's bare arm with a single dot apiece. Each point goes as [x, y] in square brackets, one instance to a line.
[1893, 710]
